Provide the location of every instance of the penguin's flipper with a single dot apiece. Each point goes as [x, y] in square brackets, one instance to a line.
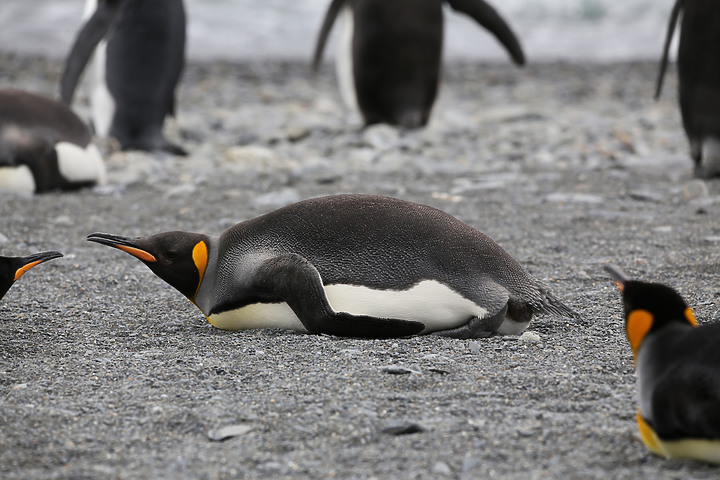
[330, 17]
[489, 18]
[477, 327]
[684, 403]
[672, 23]
[296, 281]
[87, 39]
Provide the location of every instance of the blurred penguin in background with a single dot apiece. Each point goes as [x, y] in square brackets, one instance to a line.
[698, 63]
[389, 53]
[139, 54]
[44, 146]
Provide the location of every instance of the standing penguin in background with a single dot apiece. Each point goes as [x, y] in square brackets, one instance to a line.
[698, 79]
[389, 54]
[677, 365]
[349, 265]
[44, 146]
[139, 57]
[12, 268]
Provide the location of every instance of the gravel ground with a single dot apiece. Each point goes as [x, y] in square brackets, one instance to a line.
[107, 372]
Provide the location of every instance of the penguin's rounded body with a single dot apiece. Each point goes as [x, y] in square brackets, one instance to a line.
[12, 268]
[698, 63]
[389, 54]
[44, 145]
[139, 56]
[677, 365]
[349, 265]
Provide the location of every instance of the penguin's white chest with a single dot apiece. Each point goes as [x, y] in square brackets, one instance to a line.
[344, 65]
[102, 103]
[430, 302]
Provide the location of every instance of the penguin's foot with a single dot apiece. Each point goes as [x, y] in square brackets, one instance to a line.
[174, 149]
[476, 327]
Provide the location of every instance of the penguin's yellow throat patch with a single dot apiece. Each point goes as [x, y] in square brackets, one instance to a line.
[200, 258]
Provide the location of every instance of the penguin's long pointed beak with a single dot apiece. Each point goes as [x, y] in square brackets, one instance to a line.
[617, 274]
[126, 244]
[36, 259]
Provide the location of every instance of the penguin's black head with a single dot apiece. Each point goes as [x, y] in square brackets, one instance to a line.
[179, 258]
[12, 268]
[649, 307]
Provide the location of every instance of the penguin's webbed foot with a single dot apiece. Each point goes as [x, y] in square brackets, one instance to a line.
[174, 149]
[476, 327]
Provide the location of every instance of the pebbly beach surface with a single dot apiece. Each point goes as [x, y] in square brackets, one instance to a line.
[107, 372]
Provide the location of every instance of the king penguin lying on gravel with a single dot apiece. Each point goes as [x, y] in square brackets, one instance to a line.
[678, 371]
[12, 268]
[349, 265]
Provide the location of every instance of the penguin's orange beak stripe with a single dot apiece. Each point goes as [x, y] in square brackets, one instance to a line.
[136, 252]
[690, 316]
[21, 271]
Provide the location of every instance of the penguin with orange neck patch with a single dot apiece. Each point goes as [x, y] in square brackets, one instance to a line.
[12, 268]
[349, 265]
[677, 364]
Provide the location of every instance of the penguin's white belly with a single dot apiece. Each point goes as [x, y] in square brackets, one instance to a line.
[79, 164]
[702, 449]
[344, 60]
[102, 102]
[429, 302]
[17, 179]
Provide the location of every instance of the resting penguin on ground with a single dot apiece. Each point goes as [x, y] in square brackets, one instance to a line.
[678, 371]
[349, 265]
[137, 67]
[698, 79]
[388, 59]
[44, 145]
[12, 268]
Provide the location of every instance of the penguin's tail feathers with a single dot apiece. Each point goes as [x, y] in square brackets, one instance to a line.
[552, 304]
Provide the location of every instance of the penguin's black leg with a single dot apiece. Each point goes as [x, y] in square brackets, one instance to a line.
[296, 281]
[477, 327]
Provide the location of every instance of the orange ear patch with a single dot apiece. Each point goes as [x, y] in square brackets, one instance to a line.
[136, 252]
[200, 257]
[21, 271]
[690, 317]
[638, 325]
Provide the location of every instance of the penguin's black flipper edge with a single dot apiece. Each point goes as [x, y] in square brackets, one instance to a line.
[87, 39]
[296, 281]
[684, 403]
[489, 18]
[672, 23]
[330, 17]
